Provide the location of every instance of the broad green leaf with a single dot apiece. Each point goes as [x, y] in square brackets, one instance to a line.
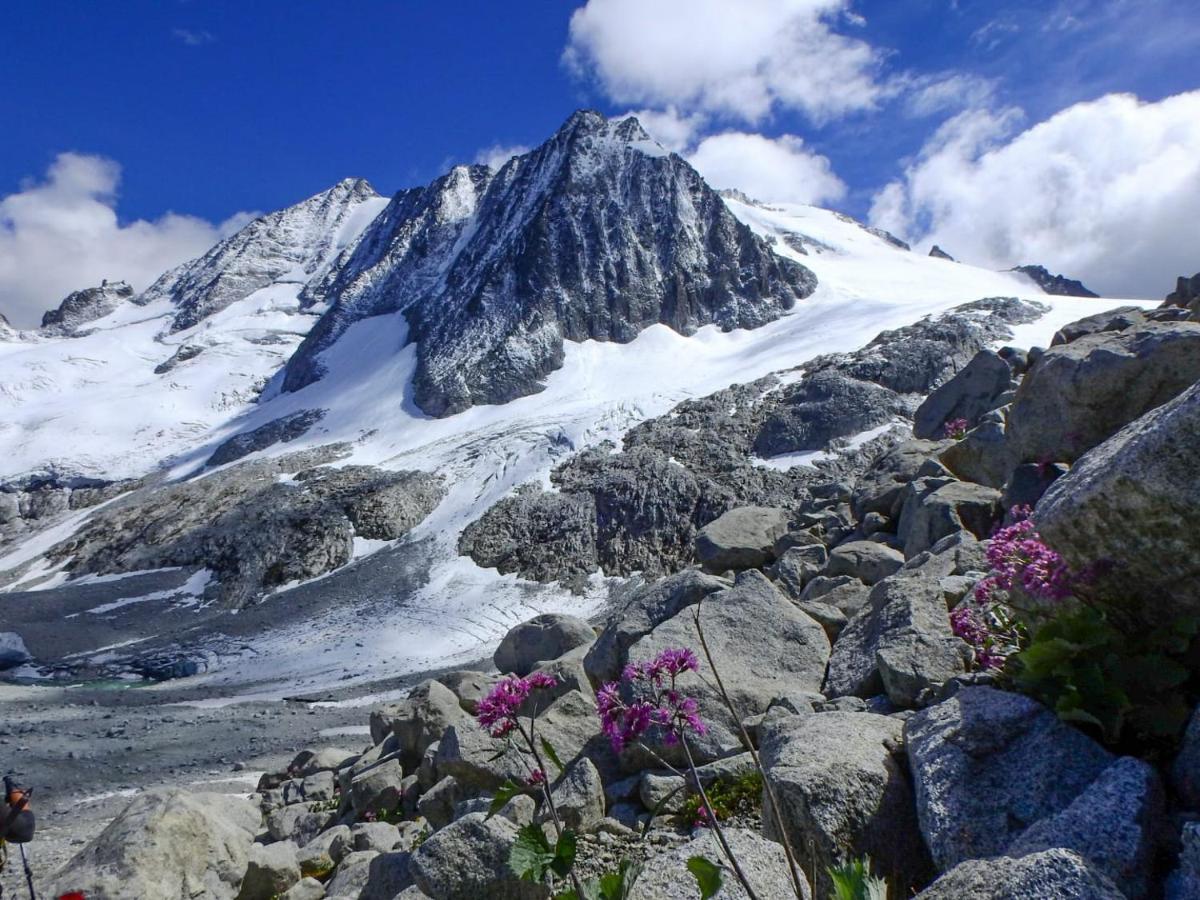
[549, 751]
[504, 793]
[564, 853]
[530, 855]
[707, 875]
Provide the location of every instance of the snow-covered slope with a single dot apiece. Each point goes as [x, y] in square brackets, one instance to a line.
[95, 405]
[137, 388]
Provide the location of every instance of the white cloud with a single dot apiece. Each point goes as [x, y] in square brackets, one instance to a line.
[495, 156]
[737, 59]
[780, 169]
[1104, 191]
[945, 92]
[62, 234]
[192, 38]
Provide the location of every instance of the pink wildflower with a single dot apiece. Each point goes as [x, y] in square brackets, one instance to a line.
[497, 712]
[622, 723]
[956, 429]
[536, 777]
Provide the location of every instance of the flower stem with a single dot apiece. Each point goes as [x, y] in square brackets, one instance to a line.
[558, 827]
[716, 826]
[793, 868]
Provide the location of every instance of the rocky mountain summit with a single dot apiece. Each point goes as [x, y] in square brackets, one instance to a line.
[82, 307]
[292, 244]
[596, 234]
[858, 715]
[1186, 293]
[1060, 285]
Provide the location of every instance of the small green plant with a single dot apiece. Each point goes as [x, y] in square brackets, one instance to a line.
[610, 886]
[1129, 686]
[729, 796]
[330, 805]
[852, 880]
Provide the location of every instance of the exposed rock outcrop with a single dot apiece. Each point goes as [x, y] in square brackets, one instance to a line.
[1055, 284]
[494, 270]
[81, 307]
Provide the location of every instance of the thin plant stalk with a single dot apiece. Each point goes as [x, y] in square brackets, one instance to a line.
[716, 826]
[793, 867]
[558, 827]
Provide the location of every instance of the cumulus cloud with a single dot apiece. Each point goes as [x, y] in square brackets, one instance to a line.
[780, 169]
[673, 129]
[1105, 191]
[741, 60]
[497, 155]
[62, 234]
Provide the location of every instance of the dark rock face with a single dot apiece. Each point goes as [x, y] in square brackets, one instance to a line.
[973, 391]
[938, 253]
[596, 234]
[300, 238]
[641, 509]
[253, 530]
[281, 430]
[85, 306]
[1055, 284]
[1186, 293]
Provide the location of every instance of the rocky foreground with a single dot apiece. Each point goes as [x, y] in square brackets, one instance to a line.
[881, 730]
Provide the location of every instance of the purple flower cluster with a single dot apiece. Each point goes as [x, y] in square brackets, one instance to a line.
[623, 723]
[1019, 557]
[956, 429]
[497, 712]
[972, 626]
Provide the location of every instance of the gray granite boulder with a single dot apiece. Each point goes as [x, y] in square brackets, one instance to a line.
[987, 764]
[167, 844]
[468, 860]
[271, 870]
[844, 790]
[1132, 502]
[666, 876]
[1049, 875]
[974, 390]
[1118, 824]
[945, 508]
[541, 639]
[743, 538]
[868, 561]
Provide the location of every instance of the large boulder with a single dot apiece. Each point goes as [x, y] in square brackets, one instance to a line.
[579, 795]
[797, 566]
[987, 764]
[13, 651]
[541, 639]
[167, 844]
[901, 642]
[1079, 394]
[418, 721]
[666, 877]
[974, 390]
[868, 561]
[756, 663]
[272, 869]
[570, 724]
[1132, 502]
[637, 616]
[1117, 824]
[843, 787]
[1185, 770]
[1057, 874]
[880, 488]
[743, 538]
[468, 860]
[936, 508]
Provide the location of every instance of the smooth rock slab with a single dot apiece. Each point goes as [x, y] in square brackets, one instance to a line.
[1050, 875]
[865, 560]
[167, 844]
[987, 764]
[743, 538]
[844, 791]
[666, 877]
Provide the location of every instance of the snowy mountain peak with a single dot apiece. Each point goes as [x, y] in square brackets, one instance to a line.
[292, 244]
[81, 307]
[596, 234]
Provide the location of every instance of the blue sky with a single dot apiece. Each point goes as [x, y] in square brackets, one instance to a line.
[213, 107]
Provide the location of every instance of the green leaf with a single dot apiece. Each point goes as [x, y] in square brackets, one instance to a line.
[564, 853]
[504, 793]
[707, 875]
[549, 751]
[530, 855]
